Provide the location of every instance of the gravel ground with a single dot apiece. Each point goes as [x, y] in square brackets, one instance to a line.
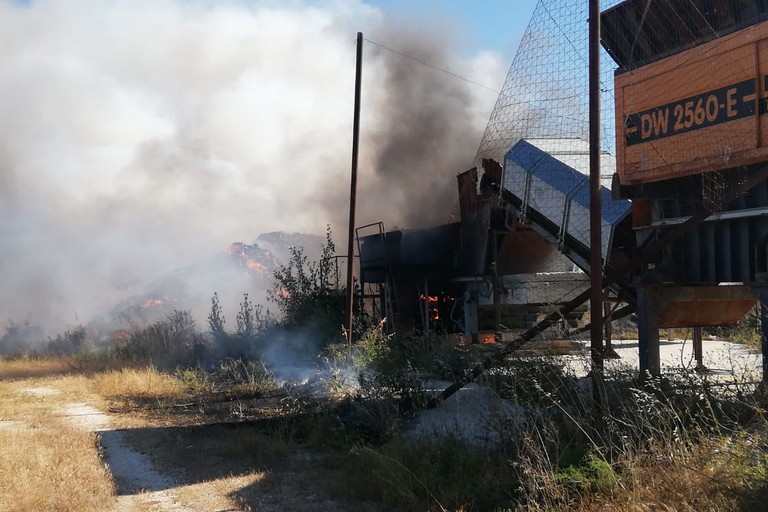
[466, 413]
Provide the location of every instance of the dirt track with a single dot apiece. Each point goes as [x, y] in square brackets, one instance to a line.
[183, 467]
[139, 486]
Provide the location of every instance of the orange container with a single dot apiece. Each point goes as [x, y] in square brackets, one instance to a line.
[701, 110]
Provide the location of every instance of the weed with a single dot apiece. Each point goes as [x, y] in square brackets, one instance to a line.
[243, 376]
[195, 380]
[591, 473]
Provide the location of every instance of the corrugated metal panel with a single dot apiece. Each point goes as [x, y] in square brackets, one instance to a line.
[551, 176]
[636, 32]
[728, 247]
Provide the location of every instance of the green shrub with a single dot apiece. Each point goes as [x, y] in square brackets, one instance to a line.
[72, 341]
[253, 325]
[591, 473]
[305, 298]
[540, 381]
[166, 343]
[20, 338]
[195, 380]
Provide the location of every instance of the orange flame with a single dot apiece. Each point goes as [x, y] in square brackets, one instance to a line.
[255, 266]
[153, 303]
[487, 338]
[434, 313]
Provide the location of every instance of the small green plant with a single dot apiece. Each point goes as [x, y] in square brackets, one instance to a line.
[591, 473]
[252, 326]
[195, 380]
[89, 359]
[539, 381]
[216, 320]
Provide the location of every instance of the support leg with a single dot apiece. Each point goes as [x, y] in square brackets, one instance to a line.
[648, 332]
[698, 349]
[608, 351]
[471, 324]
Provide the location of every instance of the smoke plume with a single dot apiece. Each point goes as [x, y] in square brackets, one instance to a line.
[142, 135]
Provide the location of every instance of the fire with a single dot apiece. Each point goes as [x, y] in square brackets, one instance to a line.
[153, 303]
[434, 312]
[488, 338]
[255, 266]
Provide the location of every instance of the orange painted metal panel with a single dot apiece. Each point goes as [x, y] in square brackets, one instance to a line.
[697, 111]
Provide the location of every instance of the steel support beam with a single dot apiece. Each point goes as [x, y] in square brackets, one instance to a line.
[648, 332]
[698, 349]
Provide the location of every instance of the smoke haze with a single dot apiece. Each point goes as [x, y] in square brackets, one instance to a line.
[140, 136]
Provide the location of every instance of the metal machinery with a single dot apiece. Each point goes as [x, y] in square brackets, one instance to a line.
[685, 200]
[692, 150]
[521, 249]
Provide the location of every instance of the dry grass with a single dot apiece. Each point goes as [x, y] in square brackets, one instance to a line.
[27, 367]
[267, 468]
[45, 463]
[49, 465]
[718, 474]
[220, 493]
[137, 383]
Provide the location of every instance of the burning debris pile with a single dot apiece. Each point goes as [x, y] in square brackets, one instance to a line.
[240, 268]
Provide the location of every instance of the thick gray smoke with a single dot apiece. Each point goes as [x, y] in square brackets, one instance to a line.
[142, 135]
[426, 136]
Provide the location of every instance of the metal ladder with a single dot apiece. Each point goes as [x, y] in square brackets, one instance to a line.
[387, 288]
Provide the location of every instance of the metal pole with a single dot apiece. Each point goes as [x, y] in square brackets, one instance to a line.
[595, 234]
[353, 188]
[698, 348]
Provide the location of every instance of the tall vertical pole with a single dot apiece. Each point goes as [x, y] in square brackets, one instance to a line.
[353, 189]
[595, 234]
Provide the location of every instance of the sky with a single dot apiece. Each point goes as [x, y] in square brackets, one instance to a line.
[143, 135]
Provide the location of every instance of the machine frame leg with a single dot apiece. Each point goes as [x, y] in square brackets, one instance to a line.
[648, 332]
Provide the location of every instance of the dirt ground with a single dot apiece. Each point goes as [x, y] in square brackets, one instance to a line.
[186, 459]
[162, 465]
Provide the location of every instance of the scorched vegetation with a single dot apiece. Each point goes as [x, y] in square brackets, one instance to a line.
[291, 417]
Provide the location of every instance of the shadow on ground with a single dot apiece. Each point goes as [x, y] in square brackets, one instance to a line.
[281, 474]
